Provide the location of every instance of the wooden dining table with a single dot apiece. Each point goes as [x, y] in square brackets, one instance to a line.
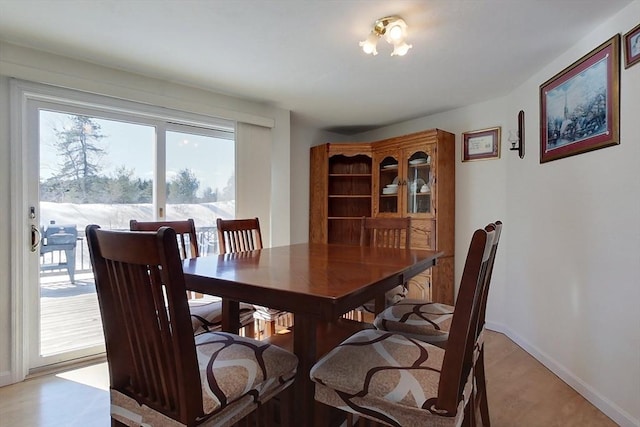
[316, 282]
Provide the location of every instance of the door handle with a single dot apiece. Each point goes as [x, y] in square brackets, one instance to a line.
[35, 238]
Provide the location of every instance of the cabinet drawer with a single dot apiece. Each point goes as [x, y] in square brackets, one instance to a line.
[423, 234]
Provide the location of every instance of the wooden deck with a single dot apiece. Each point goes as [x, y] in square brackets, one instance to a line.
[70, 317]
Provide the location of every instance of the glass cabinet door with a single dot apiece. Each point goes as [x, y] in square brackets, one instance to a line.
[419, 183]
[389, 185]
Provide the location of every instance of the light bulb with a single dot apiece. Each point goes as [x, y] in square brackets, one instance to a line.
[400, 49]
[395, 33]
[369, 45]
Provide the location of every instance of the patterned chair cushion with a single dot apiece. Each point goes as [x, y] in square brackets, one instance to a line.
[268, 314]
[385, 377]
[393, 296]
[207, 316]
[237, 374]
[425, 321]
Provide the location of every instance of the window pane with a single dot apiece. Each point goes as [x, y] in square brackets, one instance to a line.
[92, 171]
[200, 182]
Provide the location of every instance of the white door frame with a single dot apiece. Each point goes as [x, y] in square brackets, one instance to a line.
[24, 183]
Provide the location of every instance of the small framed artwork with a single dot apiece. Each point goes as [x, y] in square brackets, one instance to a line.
[481, 144]
[580, 106]
[632, 47]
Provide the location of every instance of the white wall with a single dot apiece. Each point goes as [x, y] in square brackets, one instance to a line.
[567, 280]
[573, 269]
[41, 67]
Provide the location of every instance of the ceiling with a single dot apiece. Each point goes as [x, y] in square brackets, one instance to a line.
[303, 55]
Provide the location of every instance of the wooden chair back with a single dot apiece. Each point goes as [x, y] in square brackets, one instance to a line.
[386, 232]
[148, 333]
[497, 226]
[458, 360]
[185, 231]
[239, 235]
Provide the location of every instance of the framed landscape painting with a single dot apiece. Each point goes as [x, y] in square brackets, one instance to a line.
[580, 106]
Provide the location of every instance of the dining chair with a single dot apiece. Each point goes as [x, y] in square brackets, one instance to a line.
[384, 233]
[400, 381]
[56, 240]
[431, 322]
[159, 372]
[206, 315]
[243, 235]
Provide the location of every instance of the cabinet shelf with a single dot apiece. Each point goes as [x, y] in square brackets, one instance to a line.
[351, 175]
[350, 196]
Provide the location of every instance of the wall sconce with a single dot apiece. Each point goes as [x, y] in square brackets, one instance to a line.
[516, 138]
[394, 30]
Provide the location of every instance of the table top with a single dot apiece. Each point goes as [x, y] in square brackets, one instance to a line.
[321, 279]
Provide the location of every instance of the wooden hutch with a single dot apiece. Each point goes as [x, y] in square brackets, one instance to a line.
[411, 175]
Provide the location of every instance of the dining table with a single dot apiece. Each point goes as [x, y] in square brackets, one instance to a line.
[318, 283]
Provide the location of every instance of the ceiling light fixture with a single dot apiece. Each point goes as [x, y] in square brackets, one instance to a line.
[394, 30]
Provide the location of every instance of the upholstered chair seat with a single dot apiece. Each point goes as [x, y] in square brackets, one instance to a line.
[237, 374]
[394, 296]
[426, 321]
[266, 314]
[206, 315]
[431, 321]
[386, 377]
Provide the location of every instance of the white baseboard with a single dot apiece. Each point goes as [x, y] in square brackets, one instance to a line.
[5, 378]
[610, 409]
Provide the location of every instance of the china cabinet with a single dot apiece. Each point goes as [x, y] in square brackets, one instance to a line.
[340, 192]
[410, 175]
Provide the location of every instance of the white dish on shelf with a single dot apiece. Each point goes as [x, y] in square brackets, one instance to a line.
[390, 190]
[394, 166]
[395, 181]
[392, 186]
[417, 161]
[415, 186]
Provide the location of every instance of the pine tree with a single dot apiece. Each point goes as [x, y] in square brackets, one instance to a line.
[183, 187]
[79, 146]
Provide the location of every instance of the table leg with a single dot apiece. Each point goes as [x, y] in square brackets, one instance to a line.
[380, 303]
[230, 316]
[304, 346]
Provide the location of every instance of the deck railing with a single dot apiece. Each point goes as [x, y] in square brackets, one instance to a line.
[56, 260]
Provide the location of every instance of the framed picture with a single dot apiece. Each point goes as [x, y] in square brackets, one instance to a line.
[632, 47]
[481, 144]
[580, 106]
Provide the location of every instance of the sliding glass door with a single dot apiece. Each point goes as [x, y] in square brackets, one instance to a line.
[90, 165]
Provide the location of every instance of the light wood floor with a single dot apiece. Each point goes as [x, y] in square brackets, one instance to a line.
[521, 391]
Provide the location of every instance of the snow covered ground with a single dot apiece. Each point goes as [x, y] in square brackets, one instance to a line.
[117, 216]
